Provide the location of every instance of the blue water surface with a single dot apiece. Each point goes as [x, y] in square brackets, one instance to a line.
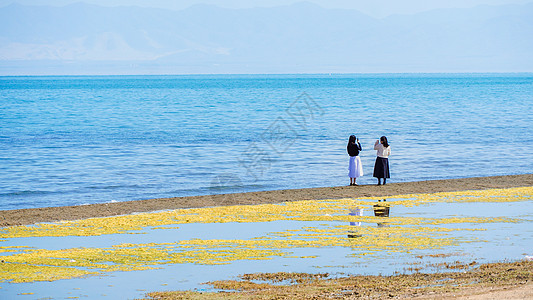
[93, 139]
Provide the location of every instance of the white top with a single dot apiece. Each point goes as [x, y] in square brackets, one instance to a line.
[382, 151]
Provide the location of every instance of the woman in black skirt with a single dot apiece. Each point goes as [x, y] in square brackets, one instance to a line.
[381, 168]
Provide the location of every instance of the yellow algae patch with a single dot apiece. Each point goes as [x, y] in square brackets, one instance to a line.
[70, 229]
[48, 265]
[393, 234]
[437, 221]
[493, 195]
[309, 210]
[19, 273]
[165, 227]
[9, 249]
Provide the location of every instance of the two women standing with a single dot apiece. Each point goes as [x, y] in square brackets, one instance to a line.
[381, 167]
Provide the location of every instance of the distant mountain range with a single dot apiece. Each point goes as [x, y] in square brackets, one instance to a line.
[303, 37]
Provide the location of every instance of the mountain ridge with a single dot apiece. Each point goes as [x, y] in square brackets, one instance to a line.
[302, 37]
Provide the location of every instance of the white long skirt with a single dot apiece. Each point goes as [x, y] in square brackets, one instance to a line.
[355, 168]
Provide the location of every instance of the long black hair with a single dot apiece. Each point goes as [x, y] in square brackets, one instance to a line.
[384, 141]
[351, 140]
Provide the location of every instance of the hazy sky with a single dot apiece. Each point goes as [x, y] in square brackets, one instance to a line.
[376, 8]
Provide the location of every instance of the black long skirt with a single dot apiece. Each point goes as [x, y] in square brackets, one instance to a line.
[381, 168]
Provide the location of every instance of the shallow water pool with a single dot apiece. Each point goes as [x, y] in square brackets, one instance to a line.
[125, 257]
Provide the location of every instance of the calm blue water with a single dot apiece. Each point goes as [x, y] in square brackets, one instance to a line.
[80, 140]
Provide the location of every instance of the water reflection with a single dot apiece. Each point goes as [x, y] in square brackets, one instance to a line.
[352, 234]
[382, 209]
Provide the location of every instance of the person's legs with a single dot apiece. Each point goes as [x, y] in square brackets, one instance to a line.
[379, 181]
[384, 181]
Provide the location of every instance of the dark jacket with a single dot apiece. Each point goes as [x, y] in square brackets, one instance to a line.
[354, 148]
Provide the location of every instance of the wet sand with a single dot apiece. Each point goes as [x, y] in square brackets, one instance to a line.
[51, 214]
[487, 281]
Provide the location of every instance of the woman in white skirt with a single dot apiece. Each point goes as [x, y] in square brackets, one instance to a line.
[355, 168]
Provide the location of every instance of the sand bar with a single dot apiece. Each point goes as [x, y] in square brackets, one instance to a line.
[484, 281]
[51, 214]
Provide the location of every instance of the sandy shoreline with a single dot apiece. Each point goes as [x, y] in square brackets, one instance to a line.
[51, 214]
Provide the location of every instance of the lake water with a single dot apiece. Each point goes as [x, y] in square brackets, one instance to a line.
[95, 139]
